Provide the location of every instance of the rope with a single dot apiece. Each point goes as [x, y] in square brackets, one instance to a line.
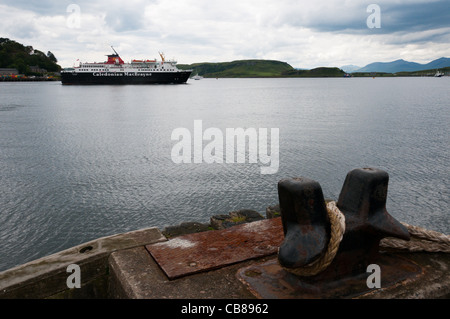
[337, 221]
[421, 240]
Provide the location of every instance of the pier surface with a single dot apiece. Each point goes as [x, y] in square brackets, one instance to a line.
[145, 264]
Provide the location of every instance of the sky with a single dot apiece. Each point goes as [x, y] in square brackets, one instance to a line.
[305, 34]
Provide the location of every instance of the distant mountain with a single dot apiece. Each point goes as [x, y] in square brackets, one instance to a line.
[350, 68]
[272, 68]
[404, 66]
[439, 63]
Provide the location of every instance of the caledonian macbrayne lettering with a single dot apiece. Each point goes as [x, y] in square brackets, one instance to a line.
[120, 74]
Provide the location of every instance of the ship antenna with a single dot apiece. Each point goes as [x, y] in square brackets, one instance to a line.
[114, 50]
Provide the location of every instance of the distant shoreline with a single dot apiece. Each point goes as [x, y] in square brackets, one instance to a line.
[350, 75]
[278, 69]
[28, 79]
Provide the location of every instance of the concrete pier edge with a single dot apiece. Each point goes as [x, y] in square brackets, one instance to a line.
[120, 267]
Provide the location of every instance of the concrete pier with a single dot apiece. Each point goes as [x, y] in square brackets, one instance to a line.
[145, 264]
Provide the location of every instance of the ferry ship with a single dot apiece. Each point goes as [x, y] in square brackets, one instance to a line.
[116, 71]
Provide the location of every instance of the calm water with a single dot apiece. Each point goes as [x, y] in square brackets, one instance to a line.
[82, 162]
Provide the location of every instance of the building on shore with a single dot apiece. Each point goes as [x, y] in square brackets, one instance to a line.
[37, 69]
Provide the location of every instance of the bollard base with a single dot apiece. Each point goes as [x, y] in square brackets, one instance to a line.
[269, 280]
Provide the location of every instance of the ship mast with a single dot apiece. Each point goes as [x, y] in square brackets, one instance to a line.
[114, 50]
[161, 54]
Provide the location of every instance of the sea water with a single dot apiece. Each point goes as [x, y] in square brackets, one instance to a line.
[82, 162]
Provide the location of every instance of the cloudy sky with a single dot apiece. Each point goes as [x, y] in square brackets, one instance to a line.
[305, 34]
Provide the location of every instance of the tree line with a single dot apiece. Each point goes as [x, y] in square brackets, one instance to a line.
[17, 56]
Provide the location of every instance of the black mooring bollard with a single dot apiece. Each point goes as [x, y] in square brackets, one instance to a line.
[306, 225]
[305, 222]
[305, 268]
[363, 202]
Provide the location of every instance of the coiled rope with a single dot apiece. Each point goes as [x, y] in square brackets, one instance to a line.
[337, 220]
[421, 240]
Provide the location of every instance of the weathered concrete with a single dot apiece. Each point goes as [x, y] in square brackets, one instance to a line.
[273, 211]
[47, 276]
[235, 218]
[186, 228]
[434, 283]
[134, 274]
[120, 266]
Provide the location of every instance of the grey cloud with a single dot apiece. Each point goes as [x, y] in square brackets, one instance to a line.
[41, 7]
[118, 15]
[124, 19]
[416, 17]
[410, 17]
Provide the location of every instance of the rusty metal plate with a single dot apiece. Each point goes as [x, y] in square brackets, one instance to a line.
[269, 280]
[208, 250]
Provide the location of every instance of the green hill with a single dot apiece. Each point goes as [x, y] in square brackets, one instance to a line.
[239, 69]
[17, 56]
[256, 68]
[321, 72]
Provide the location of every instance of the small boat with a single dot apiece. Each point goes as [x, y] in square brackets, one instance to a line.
[438, 74]
[197, 77]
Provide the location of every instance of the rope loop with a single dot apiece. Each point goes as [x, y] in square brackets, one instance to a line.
[337, 220]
